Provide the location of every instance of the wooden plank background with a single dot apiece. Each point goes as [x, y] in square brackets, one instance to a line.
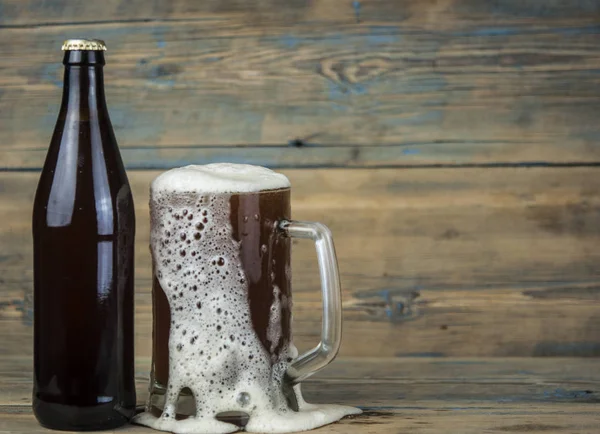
[365, 83]
[451, 145]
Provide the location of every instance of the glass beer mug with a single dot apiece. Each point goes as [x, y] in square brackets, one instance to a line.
[222, 300]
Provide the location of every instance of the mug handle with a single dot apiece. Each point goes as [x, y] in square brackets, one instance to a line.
[320, 356]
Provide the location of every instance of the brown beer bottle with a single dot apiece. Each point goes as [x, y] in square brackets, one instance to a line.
[83, 233]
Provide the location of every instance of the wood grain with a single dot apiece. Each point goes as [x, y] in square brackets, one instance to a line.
[408, 395]
[494, 257]
[464, 417]
[34, 13]
[410, 83]
[439, 262]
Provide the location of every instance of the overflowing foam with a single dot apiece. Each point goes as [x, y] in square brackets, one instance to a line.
[220, 178]
[213, 348]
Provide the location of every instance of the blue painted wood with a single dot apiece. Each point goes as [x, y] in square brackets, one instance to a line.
[408, 155]
[275, 12]
[463, 262]
[368, 84]
[486, 87]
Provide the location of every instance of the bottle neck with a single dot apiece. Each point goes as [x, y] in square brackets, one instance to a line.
[83, 90]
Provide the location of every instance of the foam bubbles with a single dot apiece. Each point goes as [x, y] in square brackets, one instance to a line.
[274, 328]
[244, 399]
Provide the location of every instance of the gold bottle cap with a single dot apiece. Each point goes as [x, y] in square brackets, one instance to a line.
[84, 44]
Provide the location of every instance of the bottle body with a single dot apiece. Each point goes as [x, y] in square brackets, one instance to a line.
[83, 231]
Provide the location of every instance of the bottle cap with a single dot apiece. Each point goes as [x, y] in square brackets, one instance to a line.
[84, 44]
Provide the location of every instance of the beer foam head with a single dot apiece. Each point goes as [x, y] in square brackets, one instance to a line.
[220, 178]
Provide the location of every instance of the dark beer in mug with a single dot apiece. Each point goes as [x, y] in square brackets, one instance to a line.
[264, 252]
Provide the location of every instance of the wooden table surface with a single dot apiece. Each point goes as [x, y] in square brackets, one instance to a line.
[408, 395]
